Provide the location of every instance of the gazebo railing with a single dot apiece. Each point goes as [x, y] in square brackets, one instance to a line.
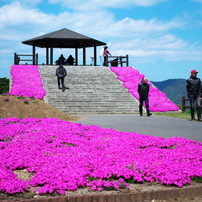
[117, 60]
[17, 58]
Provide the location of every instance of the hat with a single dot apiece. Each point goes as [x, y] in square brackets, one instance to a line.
[194, 72]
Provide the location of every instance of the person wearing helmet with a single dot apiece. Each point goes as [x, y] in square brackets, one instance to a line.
[193, 87]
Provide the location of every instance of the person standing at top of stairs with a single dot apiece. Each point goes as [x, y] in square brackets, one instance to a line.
[101, 55]
[61, 73]
[106, 52]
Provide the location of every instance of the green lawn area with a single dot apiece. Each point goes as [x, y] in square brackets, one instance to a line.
[185, 115]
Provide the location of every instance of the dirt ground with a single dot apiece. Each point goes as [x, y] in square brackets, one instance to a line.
[15, 107]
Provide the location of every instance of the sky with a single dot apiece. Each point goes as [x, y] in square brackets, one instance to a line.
[163, 38]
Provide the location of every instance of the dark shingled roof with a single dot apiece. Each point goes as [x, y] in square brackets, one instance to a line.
[63, 38]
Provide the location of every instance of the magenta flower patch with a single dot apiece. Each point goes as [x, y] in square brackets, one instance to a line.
[158, 100]
[26, 81]
[67, 156]
[6, 99]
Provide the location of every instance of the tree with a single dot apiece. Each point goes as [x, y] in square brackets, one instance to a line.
[4, 85]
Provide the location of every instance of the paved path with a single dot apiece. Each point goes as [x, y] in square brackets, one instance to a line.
[155, 125]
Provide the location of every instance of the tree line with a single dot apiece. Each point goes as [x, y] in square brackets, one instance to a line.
[4, 85]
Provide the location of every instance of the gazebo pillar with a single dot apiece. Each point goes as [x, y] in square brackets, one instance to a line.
[76, 56]
[95, 55]
[84, 53]
[33, 53]
[51, 53]
[47, 55]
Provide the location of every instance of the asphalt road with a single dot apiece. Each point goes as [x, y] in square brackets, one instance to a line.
[155, 125]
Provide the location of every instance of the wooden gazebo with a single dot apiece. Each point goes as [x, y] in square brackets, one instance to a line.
[64, 38]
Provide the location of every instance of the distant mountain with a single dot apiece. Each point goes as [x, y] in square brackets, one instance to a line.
[175, 89]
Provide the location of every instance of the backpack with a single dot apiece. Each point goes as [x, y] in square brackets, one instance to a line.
[61, 72]
[143, 89]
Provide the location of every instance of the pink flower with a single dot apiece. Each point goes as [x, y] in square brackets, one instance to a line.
[131, 78]
[26, 81]
[75, 155]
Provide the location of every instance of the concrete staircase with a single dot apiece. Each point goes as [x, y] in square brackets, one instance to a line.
[90, 89]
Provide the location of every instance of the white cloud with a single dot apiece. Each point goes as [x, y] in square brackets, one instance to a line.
[15, 14]
[25, 23]
[90, 5]
[166, 42]
[167, 47]
[134, 28]
[85, 6]
[23, 2]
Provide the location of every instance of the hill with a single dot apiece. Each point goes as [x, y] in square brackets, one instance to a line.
[14, 106]
[175, 89]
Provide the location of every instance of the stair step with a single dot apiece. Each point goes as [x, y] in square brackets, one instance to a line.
[91, 89]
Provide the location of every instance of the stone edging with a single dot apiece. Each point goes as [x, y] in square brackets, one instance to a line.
[129, 197]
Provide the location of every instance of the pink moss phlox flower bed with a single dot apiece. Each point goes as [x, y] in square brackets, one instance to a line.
[26, 81]
[158, 101]
[67, 156]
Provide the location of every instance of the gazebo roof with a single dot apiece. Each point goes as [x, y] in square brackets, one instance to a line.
[63, 38]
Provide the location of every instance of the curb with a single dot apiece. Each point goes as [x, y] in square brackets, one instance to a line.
[130, 197]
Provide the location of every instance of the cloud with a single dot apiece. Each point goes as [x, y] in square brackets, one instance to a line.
[134, 28]
[85, 6]
[23, 2]
[16, 14]
[163, 42]
[167, 47]
[16, 19]
[89, 5]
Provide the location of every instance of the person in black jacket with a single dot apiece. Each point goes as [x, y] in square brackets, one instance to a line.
[61, 74]
[193, 87]
[61, 60]
[70, 60]
[143, 90]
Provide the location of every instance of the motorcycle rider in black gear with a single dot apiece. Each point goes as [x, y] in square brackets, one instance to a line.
[193, 91]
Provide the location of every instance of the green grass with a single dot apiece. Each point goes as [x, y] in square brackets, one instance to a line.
[185, 115]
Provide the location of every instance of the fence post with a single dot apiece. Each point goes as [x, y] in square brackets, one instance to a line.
[14, 58]
[183, 104]
[127, 64]
[121, 61]
[37, 59]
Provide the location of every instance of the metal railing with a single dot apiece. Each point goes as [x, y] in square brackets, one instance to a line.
[17, 58]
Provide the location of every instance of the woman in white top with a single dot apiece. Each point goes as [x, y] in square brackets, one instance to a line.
[101, 56]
